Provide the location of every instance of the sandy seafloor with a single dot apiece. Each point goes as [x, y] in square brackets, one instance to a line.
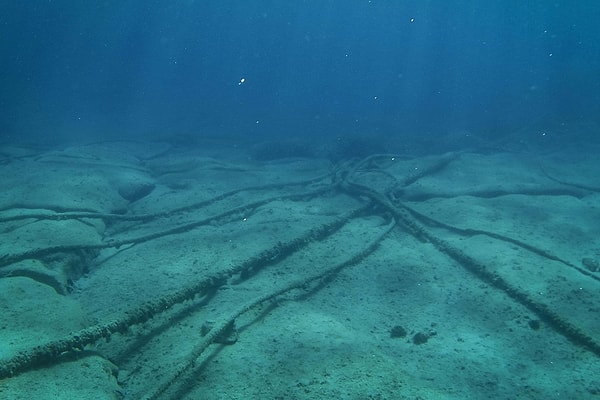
[69, 260]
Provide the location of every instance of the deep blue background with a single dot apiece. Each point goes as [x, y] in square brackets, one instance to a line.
[102, 69]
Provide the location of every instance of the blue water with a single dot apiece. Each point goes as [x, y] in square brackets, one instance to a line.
[105, 69]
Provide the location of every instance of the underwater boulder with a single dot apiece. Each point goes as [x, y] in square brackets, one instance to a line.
[133, 191]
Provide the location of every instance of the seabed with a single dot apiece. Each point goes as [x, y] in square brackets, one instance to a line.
[147, 270]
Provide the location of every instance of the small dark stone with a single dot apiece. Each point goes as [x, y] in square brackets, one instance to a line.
[206, 327]
[420, 338]
[397, 332]
[534, 324]
[591, 264]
